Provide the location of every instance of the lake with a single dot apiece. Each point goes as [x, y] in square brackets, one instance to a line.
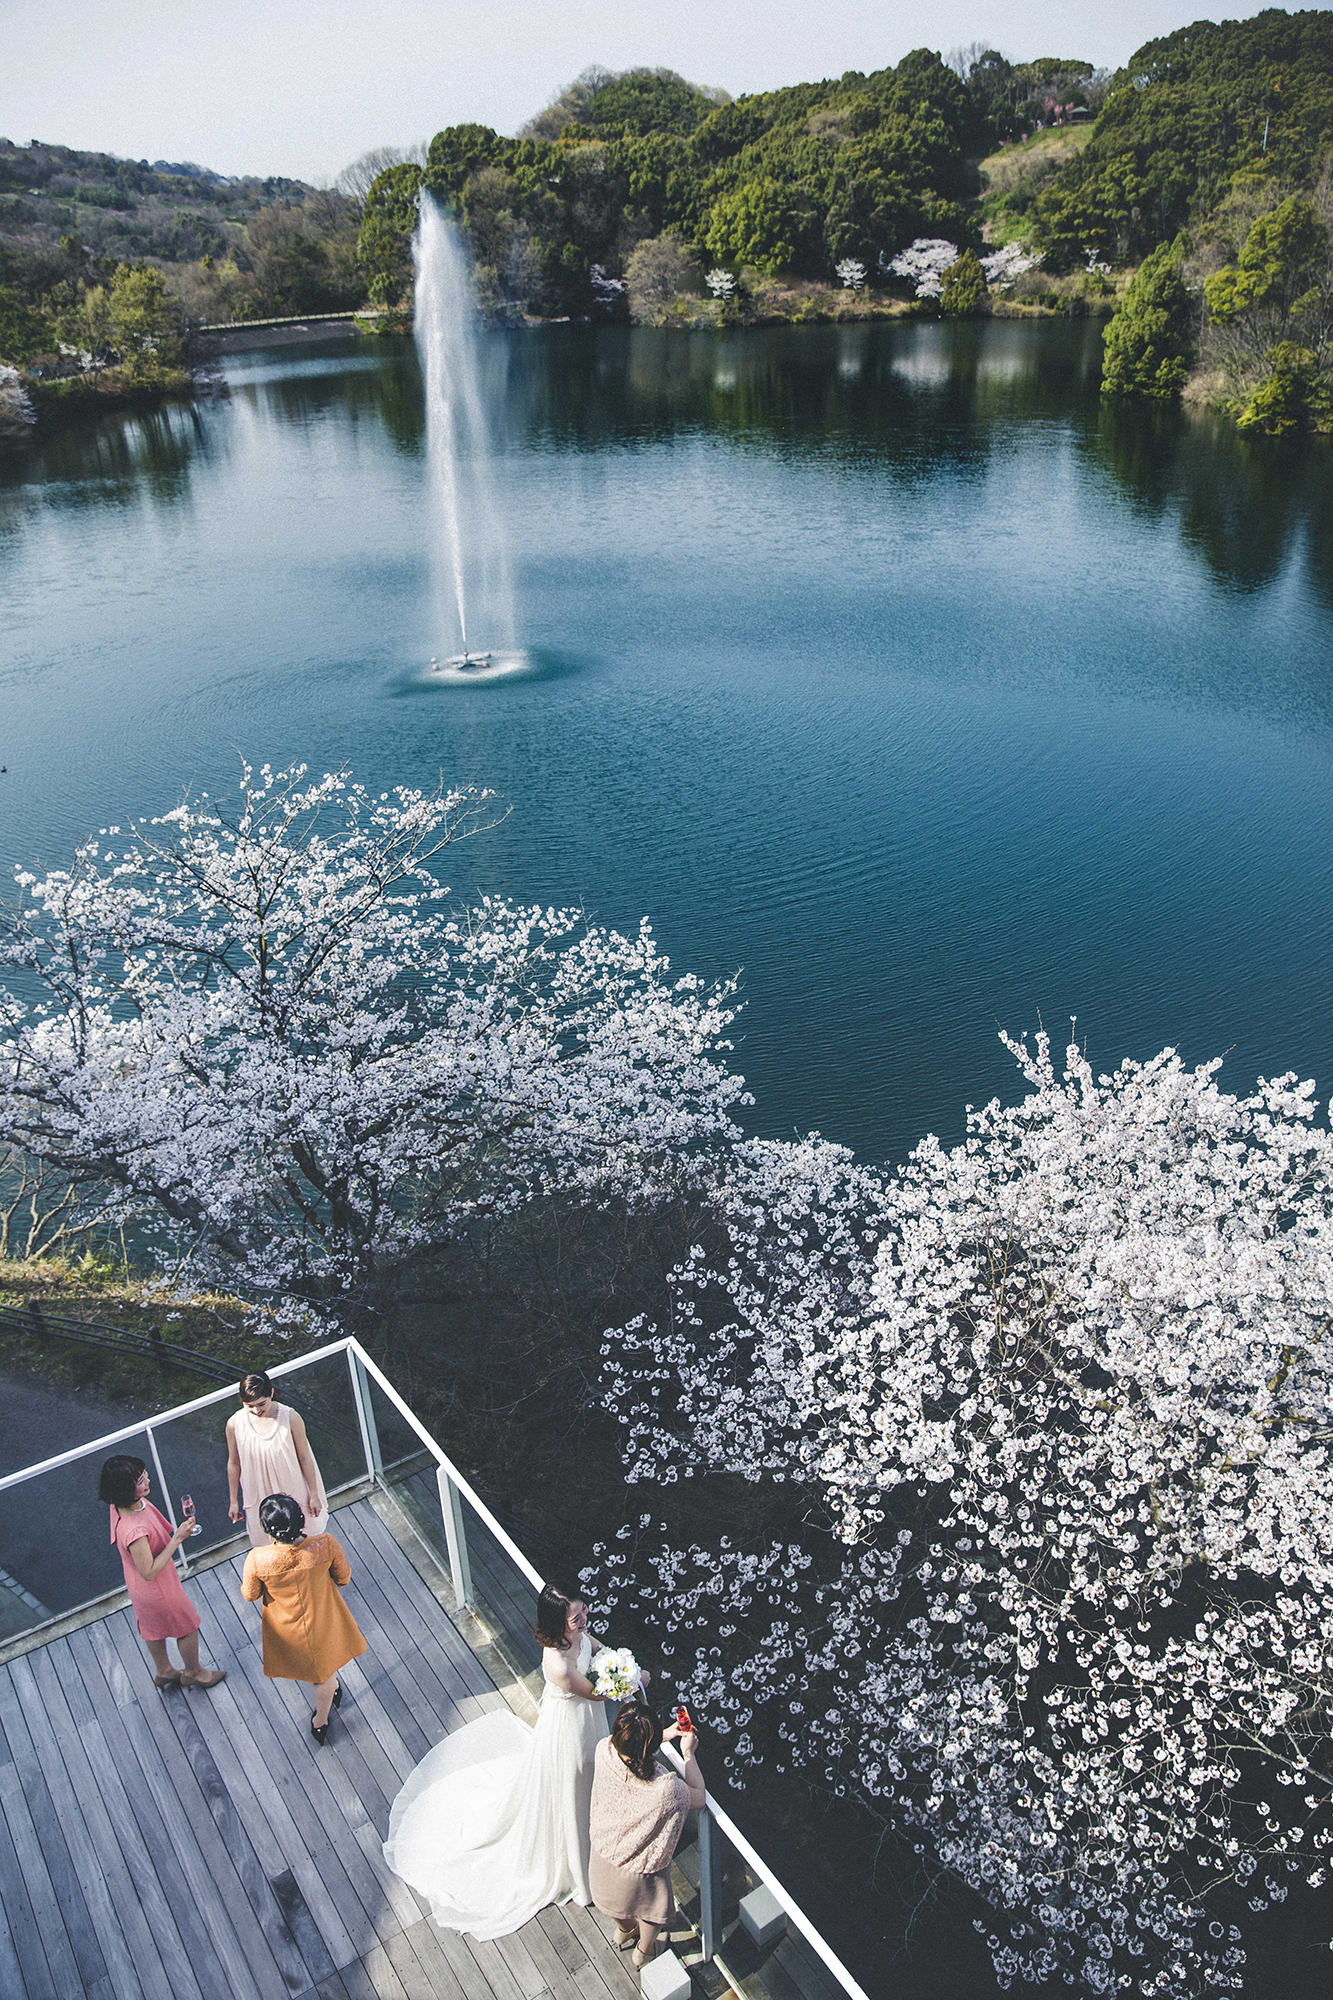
[881, 664]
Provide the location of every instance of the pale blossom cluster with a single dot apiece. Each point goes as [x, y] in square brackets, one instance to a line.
[1003, 266]
[606, 291]
[721, 284]
[262, 1036]
[924, 263]
[1064, 1394]
[851, 274]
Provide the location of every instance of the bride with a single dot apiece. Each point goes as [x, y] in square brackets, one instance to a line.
[493, 1823]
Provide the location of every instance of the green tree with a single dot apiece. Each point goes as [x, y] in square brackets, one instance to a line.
[1282, 276]
[1150, 342]
[1296, 395]
[753, 226]
[23, 332]
[963, 290]
[145, 324]
[1271, 317]
[384, 245]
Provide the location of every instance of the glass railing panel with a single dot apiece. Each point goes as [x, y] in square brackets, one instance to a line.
[504, 1598]
[322, 1392]
[408, 1471]
[193, 1451]
[55, 1545]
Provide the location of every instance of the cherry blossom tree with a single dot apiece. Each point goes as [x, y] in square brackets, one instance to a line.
[260, 1035]
[1061, 1399]
[1004, 265]
[851, 273]
[924, 263]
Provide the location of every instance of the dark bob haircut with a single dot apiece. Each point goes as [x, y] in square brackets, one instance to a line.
[637, 1735]
[117, 1480]
[282, 1517]
[258, 1384]
[552, 1613]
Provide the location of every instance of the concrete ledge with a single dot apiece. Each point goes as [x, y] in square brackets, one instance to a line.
[665, 1978]
[763, 1917]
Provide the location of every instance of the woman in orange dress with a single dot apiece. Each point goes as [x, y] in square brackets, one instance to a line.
[147, 1553]
[308, 1631]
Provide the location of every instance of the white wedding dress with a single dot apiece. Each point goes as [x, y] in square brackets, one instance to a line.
[493, 1823]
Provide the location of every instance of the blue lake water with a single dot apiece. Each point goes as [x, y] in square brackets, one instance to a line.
[883, 665]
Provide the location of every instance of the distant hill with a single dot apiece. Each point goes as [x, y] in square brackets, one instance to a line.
[126, 208]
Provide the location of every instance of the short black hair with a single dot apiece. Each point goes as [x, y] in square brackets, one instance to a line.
[256, 1384]
[118, 1479]
[282, 1517]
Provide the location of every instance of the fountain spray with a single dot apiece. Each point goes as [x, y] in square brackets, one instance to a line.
[472, 559]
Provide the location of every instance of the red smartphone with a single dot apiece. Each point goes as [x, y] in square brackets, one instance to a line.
[683, 1719]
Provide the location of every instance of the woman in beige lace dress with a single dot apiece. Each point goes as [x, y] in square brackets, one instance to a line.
[638, 1813]
[269, 1452]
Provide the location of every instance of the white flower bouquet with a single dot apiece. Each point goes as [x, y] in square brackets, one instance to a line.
[615, 1673]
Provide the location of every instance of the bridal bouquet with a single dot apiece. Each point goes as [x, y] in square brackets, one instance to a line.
[615, 1673]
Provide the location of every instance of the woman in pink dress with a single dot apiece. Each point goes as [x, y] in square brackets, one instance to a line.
[269, 1452]
[147, 1551]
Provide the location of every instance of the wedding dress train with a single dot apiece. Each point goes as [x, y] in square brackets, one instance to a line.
[493, 1823]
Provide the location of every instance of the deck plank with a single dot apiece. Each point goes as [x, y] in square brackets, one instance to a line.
[180, 1869]
[300, 1773]
[132, 1958]
[34, 1798]
[151, 1725]
[218, 1806]
[201, 1847]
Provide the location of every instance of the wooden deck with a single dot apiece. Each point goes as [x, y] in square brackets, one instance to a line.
[202, 1847]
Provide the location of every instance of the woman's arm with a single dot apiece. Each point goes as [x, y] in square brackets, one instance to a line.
[694, 1777]
[305, 1458]
[233, 1473]
[686, 1741]
[252, 1584]
[149, 1565]
[339, 1567]
[564, 1674]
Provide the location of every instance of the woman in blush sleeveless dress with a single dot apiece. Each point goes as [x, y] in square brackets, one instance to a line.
[147, 1548]
[493, 1823]
[268, 1452]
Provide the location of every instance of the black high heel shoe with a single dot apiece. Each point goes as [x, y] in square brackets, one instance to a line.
[320, 1735]
[338, 1695]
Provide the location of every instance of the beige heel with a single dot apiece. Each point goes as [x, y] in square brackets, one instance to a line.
[171, 1680]
[204, 1679]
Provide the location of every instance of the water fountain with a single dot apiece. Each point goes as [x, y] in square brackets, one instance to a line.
[473, 581]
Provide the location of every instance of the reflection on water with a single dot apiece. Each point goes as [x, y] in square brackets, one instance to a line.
[886, 663]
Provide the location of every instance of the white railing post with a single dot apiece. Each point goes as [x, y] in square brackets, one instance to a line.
[455, 1534]
[181, 1556]
[365, 1416]
[710, 1883]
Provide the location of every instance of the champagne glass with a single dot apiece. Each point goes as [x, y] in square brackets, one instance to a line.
[187, 1511]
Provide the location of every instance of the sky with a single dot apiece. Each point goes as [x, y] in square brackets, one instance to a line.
[301, 87]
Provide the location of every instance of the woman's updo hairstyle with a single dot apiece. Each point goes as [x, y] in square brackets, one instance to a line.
[118, 1481]
[637, 1735]
[553, 1615]
[257, 1384]
[282, 1517]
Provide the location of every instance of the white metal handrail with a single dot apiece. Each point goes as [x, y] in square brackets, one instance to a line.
[451, 1482]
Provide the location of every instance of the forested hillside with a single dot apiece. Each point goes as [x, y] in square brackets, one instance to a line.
[231, 248]
[641, 194]
[794, 180]
[1186, 114]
